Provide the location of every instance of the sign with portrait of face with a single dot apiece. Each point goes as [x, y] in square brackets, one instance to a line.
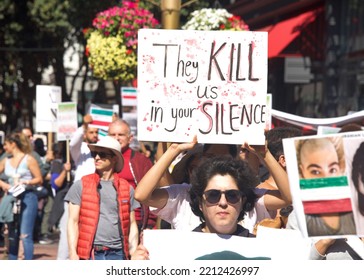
[322, 176]
[211, 84]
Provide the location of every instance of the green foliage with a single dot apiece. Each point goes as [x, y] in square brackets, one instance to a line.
[50, 16]
[6, 7]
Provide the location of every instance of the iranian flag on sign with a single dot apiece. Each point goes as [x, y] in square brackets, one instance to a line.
[101, 118]
[326, 195]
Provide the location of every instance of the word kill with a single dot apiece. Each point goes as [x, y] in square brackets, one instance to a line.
[217, 114]
[190, 69]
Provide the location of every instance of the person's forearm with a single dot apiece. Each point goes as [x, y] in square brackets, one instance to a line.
[76, 143]
[4, 186]
[133, 238]
[151, 179]
[73, 230]
[72, 236]
[319, 249]
[60, 179]
[279, 175]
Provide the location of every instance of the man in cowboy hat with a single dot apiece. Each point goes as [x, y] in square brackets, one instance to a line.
[101, 222]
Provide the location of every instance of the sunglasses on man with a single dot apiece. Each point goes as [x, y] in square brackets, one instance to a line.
[101, 154]
[231, 196]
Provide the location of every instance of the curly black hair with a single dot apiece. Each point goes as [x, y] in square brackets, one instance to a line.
[275, 136]
[223, 165]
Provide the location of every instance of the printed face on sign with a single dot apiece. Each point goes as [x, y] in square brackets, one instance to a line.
[318, 158]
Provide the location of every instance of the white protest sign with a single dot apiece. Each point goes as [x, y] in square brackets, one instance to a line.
[194, 245]
[211, 84]
[319, 170]
[101, 117]
[129, 96]
[2, 137]
[268, 120]
[285, 243]
[47, 98]
[354, 156]
[66, 120]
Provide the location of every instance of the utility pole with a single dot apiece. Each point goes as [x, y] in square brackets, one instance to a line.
[171, 10]
[171, 14]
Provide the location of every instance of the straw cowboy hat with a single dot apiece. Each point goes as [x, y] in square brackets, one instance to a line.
[107, 142]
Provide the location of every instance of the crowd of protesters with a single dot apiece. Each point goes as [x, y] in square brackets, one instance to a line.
[102, 195]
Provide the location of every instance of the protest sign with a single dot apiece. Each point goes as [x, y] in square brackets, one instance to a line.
[354, 156]
[47, 98]
[102, 116]
[320, 174]
[66, 120]
[211, 84]
[285, 244]
[313, 124]
[272, 244]
[128, 96]
[268, 120]
[197, 245]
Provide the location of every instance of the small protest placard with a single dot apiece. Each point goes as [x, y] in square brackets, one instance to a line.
[47, 98]
[101, 116]
[2, 137]
[211, 84]
[66, 120]
[129, 96]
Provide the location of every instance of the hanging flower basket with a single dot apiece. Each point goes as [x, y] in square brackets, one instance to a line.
[112, 42]
[214, 19]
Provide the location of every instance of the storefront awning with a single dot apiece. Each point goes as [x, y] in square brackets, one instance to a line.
[280, 35]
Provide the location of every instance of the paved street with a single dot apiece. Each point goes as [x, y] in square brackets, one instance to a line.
[41, 252]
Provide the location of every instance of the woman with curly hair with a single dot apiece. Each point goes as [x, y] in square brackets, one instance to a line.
[222, 192]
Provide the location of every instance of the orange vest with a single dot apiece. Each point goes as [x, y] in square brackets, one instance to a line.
[90, 211]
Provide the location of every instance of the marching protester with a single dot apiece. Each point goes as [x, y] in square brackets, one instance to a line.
[102, 223]
[23, 173]
[222, 191]
[84, 165]
[171, 202]
[136, 165]
[61, 180]
[274, 138]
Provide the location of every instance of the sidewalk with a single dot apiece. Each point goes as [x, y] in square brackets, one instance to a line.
[41, 252]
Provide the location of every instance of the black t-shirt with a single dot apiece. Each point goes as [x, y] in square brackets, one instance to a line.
[240, 231]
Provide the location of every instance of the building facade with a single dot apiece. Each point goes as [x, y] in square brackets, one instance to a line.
[315, 52]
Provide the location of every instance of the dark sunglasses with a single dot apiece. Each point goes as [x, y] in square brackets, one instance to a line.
[231, 196]
[101, 154]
